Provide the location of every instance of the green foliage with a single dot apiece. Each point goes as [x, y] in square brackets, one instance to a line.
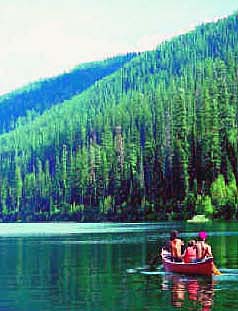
[204, 205]
[22, 106]
[218, 192]
[225, 196]
[107, 204]
[154, 139]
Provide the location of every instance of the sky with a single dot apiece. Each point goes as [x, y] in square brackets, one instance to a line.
[42, 38]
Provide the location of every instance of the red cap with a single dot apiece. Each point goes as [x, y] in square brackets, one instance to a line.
[202, 235]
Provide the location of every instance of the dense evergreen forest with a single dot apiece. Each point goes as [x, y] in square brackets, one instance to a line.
[156, 139]
[25, 104]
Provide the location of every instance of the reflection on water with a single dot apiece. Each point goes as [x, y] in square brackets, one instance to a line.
[93, 267]
[190, 290]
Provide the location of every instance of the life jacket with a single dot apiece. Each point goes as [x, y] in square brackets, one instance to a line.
[190, 254]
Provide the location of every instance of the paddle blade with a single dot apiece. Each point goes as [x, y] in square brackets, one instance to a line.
[154, 260]
[215, 270]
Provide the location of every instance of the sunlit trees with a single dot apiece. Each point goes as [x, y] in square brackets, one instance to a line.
[156, 139]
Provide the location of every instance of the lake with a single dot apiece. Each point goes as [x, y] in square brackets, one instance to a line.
[97, 267]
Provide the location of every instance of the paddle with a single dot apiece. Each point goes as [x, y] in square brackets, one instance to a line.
[153, 260]
[215, 270]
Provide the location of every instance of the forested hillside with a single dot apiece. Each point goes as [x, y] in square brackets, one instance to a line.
[25, 104]
[157, 139]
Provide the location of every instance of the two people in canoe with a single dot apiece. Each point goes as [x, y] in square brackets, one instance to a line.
[195, 250]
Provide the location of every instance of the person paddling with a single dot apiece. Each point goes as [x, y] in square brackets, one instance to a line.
[175, 246]
[203, 249]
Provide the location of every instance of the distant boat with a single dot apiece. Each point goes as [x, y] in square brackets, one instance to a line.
[204, 267]
[198, 219]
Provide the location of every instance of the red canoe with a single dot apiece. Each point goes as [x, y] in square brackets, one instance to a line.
[203, 268]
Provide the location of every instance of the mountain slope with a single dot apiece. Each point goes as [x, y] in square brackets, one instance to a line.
[158, 138]
[31, 101]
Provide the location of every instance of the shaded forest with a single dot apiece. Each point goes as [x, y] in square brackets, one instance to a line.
[155, 139]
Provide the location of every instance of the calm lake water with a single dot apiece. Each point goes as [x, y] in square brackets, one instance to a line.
[97, 267]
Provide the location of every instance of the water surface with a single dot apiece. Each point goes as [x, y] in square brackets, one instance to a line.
[69, 266]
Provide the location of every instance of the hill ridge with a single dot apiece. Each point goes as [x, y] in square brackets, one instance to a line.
[157, 139]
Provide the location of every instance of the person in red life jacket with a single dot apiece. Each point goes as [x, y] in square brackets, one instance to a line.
[175, 246]
[203, 249]
[190, 254]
